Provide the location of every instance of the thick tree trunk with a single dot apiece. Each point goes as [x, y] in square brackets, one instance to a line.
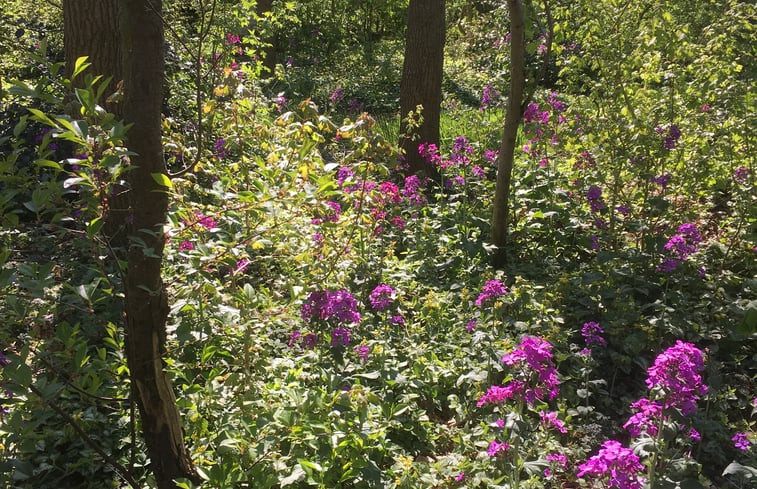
[90, 28]
[146, 301]
[422, 80]
[512, 121]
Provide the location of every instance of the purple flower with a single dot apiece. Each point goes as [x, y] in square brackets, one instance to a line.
[550, 420]
[741, 174]
[491, 155]
[491, 290]
[186, 246]
[671, 140]
[557, 104]
[694, 435]
[242, 265]
[232, 39]
[471, 326]
[343, 174]
[662, 180]
[340, 336]
[741, 441]
[594, 242]
[354, 106]
[558, 458]
[460, 477]
[294, 336]
[329, 305]
[310, 340]
[616, 465]
[535, 373]
[397, 319]
[336, 96]
[3, 359]
[489, 97]
[362, 351]
[382, 297]
[281, 102]
[675, 377]
[594, 196]
[646, 417]
[219, 148]
[496, 448]
[205, 221]
[592, 332]
[623, 209]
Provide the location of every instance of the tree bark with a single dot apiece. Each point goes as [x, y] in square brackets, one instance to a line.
[512, 121]
[90, 28]
[146, 301]
[269, 52]
[422, 80]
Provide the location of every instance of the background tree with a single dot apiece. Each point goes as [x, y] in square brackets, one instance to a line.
[91, 28]
[146, 300]
[512, 121]
[422, 79]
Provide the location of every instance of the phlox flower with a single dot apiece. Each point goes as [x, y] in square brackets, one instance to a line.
[491, 290]
[646, 418]
[186, 246]
[382, 297]
[340, 336]
[550, 420]
[592, 332]
[496, 448]
[616, 465]
[675, 376]
[741, 441]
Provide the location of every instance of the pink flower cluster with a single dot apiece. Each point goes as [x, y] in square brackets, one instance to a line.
[535, 378]
[616, 465]
[491, 290]
[675, 377]
[328, 305]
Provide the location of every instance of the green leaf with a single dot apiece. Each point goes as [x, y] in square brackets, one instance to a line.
[48, 164]
[162, 179]
[79, 66]
[94, 226]
[307, 464]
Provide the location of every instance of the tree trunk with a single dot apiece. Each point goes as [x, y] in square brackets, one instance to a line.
[90, 28]
[512, 121]
[422, 80]
[146, 301]
[269, 52]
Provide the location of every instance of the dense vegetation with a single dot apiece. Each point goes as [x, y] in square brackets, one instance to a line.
[336, 322]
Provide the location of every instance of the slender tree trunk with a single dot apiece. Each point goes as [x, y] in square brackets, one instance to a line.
[422, 80]
[146, 301]
[90, 28]
[512, 121]
[269, 52]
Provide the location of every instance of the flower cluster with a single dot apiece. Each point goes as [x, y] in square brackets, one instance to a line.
[617, 465]
[489, 97]
[680, 246]
[594, 196]
[741, 441]
[592, 332]
[382, 297]
[496, 448]
[671, 138]
[328, 305]
[741, 175]
[550, 420]
[536, 378]
[674, 376]
[646, 416]
[491, 290]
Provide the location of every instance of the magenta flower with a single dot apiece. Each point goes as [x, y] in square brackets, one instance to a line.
[646, 418]
[186, 246]
[382, 297]
[328, 305]
[741, 441]
[340, 336]
[550, 420]
[616, 465]
[362, 351]
[675, 377]
[592, 332]
[496, 448]
[491, 290]
[594, 196]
